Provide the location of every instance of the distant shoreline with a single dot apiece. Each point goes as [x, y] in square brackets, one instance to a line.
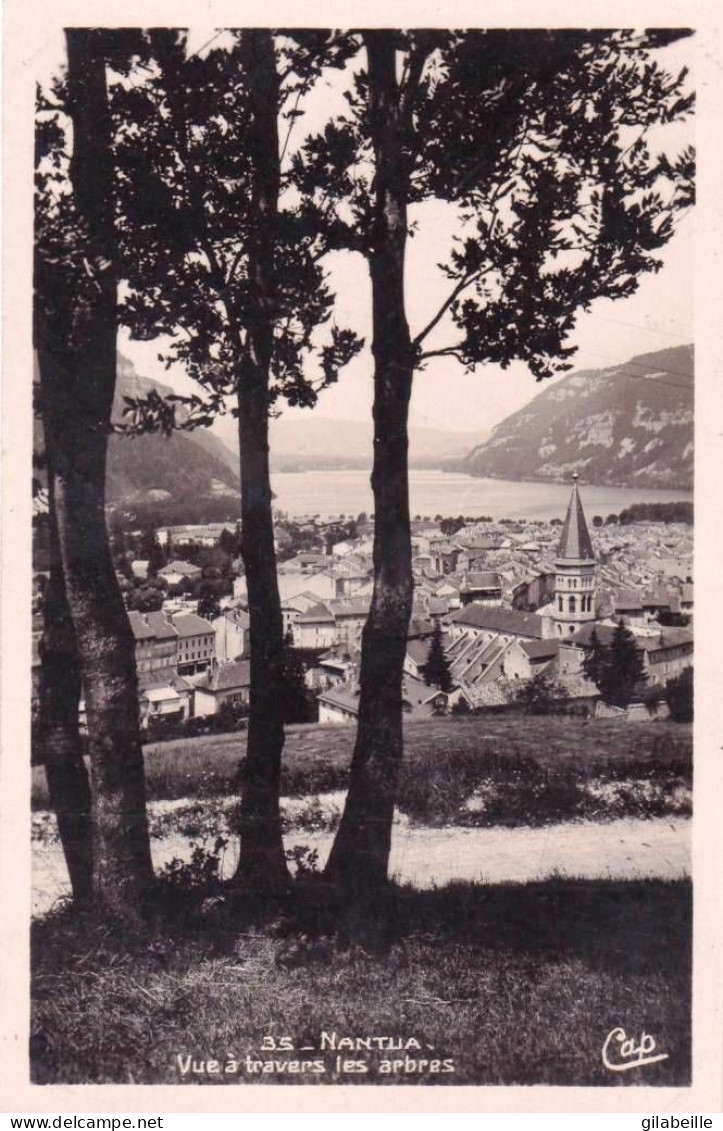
[456, 469]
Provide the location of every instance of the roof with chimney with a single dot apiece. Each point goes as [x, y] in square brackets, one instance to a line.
[227, 677]
[151, 626]
[190, 624]
[575, 543]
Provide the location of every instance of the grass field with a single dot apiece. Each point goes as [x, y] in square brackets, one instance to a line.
[540, 764]
[511, 984]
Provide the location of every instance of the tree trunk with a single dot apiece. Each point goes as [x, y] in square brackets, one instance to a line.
[77, 359]
[262, 864]
[122, 870]
[59, 737]
[360, 856]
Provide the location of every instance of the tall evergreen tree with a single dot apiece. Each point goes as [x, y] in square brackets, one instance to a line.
[623, 670]
[436, 669]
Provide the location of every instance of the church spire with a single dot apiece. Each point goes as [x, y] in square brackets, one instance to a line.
[574, 571]
[575, 543]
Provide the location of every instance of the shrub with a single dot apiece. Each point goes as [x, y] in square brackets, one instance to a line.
[679, 697]
[184, 886]
[304, 860]
[542, 695]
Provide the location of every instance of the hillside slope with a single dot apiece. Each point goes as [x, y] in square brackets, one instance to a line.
[184, 467]
[194, 462]
[629, 425]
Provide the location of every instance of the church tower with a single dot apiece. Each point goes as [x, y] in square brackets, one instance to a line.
[574, 571]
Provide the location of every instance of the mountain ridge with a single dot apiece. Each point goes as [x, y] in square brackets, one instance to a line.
[627, 425]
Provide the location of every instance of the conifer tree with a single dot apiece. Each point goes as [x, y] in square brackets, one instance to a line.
[623, 669]
[436, 669]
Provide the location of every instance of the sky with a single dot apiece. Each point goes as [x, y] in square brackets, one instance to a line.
[659, 315]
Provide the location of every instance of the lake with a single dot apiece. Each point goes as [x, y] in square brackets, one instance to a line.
[451, 493]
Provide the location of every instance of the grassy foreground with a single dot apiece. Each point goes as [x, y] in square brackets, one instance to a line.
[530, 770]
[515, 984]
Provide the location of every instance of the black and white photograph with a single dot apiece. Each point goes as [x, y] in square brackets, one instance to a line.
[362, 595]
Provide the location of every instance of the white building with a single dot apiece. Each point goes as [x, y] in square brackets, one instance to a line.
[224, 683]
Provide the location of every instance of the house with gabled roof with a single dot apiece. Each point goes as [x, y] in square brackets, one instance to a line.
[628, 604]
[164, 696]
[177, 571]
[315, 628]
[340, 705]
[527, 658]
[293, 607]
[155, 641]
[223, 684]
[334, 623]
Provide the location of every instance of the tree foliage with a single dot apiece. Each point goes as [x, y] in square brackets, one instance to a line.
[540, 141]
[297, 703]
[677, 511]
[436, 670]
[617, 669]
[186, 215]
[596, 659]
[542, 695]
[679, 697]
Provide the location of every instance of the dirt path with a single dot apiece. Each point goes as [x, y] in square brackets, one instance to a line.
[622, 849]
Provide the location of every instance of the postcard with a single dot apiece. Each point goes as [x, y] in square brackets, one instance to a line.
[361, 435]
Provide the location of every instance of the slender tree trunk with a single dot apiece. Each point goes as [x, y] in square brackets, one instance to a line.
[77, 357]
[262, 863]
[60, 745]
[122, 870]
[360, 856]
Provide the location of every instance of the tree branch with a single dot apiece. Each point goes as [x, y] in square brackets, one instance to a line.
[462, 285]
[448, 351]
[292, 122]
